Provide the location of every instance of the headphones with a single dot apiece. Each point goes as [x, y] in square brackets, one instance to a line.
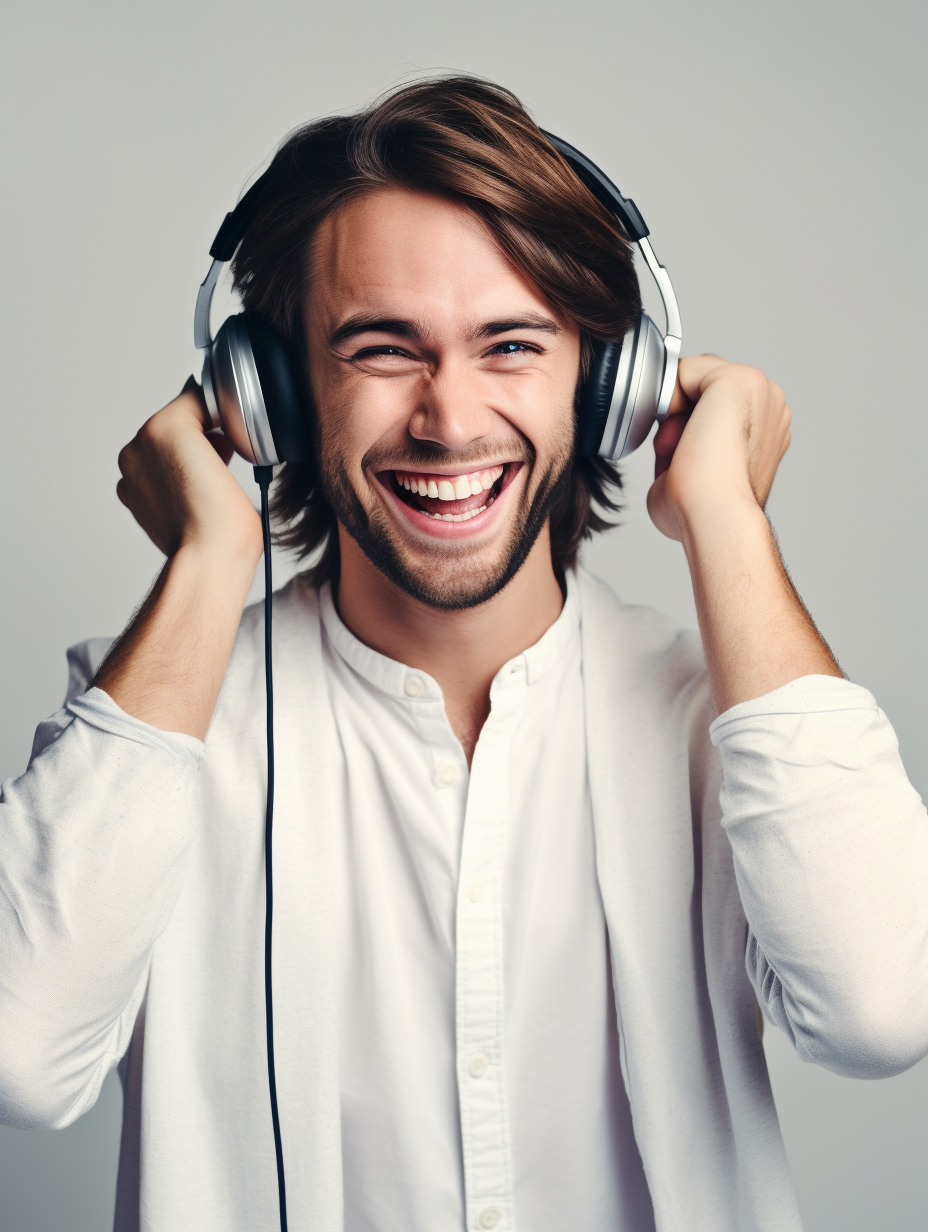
[254, 391]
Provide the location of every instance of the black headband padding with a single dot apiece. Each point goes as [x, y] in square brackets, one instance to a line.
[284, 400]
[595, 397]
[234, 225]
[603, 188]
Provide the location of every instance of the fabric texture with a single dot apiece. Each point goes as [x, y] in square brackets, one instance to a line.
[131, 913]
[478, 1049]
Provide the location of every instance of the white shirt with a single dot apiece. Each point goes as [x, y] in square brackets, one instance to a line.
[478, 1048]
[132, 916]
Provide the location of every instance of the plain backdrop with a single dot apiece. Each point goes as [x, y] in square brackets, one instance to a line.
[777, 152]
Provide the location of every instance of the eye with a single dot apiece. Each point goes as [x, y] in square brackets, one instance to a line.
[513, 348]
[389, 352]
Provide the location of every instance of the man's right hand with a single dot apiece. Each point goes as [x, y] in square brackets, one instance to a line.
[176, 483]
[168, 666]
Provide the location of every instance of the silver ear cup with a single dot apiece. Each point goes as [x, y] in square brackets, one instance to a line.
[637, 390]
[236, 393]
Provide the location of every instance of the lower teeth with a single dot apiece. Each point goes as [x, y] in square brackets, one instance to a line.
[458, 517]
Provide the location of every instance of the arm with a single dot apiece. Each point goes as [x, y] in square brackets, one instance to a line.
[830, 845]
[94, 835]
[717, 454]
[168, 666]
[830, 841]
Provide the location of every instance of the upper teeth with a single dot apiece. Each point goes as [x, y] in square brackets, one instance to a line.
[449, 487]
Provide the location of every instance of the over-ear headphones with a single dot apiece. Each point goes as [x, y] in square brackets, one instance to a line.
[256, 394]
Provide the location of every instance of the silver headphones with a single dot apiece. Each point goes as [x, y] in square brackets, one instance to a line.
[255, 393]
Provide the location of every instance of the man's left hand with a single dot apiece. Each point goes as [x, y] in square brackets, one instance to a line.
[724, 436]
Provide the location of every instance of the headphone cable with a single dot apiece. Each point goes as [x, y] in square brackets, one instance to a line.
[263, 477]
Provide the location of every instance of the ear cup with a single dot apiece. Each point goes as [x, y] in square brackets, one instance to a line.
[255, 388]
[647, 372]
[595, 397]
[618, 401]
[285, 397]
[238, 396]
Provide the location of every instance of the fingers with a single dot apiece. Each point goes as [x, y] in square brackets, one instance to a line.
[192, 396]
[221, 444]
[666, 440]
[695, 372]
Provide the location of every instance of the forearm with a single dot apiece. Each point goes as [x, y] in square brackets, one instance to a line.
[95, 836]
[756, 633]
[830, 845]
[168, 666]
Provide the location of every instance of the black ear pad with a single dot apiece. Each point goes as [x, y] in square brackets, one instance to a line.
[285, 396]
[595, 397]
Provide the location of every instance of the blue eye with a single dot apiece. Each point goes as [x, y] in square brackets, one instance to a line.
[509, 348]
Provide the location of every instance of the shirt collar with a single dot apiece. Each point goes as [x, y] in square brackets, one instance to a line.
[411, 684]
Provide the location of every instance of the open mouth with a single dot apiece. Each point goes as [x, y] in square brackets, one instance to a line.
[451, 498]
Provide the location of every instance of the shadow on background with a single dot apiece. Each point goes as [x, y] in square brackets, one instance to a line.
[63, 1180]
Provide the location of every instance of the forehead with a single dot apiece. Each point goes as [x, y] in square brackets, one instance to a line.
[395, 250]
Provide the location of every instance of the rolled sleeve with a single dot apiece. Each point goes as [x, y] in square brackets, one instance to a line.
[93, 837]
[830, 846]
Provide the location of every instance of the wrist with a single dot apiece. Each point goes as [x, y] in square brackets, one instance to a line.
[224, 564]
[720, 522]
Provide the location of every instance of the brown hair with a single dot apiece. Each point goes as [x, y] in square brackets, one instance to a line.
[474, 143]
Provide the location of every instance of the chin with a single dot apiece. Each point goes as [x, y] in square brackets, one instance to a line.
[439, 578]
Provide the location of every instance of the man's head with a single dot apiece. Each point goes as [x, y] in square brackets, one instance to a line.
[442, 271]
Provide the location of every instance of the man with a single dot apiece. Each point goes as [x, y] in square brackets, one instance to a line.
[511, 915]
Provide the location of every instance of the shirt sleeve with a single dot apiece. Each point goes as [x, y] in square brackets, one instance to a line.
[830, 846]
[93, 840]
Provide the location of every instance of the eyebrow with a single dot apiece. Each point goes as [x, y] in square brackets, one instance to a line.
[363, 324]
[399, 327]
[493, 328]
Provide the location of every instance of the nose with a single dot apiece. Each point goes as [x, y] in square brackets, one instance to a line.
[451, 410]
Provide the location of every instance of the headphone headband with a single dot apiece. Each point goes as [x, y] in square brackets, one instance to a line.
[603, 188]
[235, 224]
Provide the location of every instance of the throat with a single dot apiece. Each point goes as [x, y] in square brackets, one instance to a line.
[467, 713]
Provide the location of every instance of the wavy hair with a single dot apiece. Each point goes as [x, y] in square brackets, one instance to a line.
[474, 143]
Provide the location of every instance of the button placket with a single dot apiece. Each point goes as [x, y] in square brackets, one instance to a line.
[479, 972]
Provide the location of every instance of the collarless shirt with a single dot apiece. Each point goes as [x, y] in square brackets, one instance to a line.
[478, 1046]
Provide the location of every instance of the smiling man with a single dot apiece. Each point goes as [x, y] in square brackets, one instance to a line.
[520, 939]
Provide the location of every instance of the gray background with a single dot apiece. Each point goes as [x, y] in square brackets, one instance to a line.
[777, 153]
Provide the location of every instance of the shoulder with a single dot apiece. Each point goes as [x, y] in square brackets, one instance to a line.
[296, 608]
[296, 641]
[638, 645]
[84, 661]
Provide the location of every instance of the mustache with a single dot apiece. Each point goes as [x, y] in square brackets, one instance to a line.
[419, 455]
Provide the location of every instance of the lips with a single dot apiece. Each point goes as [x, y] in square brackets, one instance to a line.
[450, 498]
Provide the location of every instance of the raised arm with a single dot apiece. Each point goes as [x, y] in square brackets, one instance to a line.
[717, 455]
[168, 666]
[94, 836]
[830, 841]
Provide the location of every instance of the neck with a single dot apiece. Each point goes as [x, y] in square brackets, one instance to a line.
[461, 650]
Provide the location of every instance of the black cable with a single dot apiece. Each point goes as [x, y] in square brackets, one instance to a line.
[263, 477]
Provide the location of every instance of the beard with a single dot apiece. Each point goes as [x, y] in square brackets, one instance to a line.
[460, 579]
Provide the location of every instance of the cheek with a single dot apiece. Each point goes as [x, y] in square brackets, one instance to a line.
[542, 410]
[357, 414]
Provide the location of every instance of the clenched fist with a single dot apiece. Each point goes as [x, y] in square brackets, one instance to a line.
[724, 437]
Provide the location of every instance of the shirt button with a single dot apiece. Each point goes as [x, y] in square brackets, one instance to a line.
[474, 891]
[477, 1066]
[449, 774]
[490, 1217]
[415, 686]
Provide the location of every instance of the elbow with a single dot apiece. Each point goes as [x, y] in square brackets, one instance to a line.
[873, 1039]
[38, 1093]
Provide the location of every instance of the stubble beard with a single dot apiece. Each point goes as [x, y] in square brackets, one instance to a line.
[455, 578]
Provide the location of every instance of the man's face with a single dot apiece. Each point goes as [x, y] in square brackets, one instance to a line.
[444, 387]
